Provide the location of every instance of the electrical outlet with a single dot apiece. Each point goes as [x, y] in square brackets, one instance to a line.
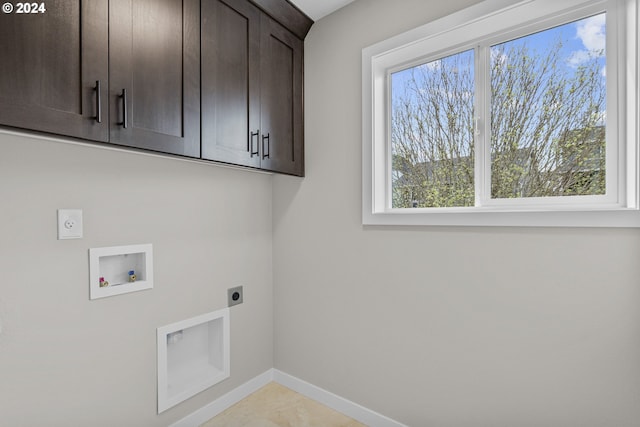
[234, 296]
[69, 224]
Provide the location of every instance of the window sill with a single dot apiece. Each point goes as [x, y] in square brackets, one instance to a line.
[477, 217]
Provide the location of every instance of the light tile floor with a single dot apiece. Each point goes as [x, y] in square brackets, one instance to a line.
[277, 406]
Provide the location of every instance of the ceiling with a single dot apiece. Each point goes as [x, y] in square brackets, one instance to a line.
[316, 9]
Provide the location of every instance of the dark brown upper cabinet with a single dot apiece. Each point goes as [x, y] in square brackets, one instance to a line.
[121, 71]
[231, 82]
[54, 69]
[281, 120]
[251, 89]
[154, 71]
[219, 80]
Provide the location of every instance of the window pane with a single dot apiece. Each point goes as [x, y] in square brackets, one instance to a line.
[548, 112]
[432, 133]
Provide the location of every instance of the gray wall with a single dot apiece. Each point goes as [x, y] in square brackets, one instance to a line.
[67, 361]
[460, 327]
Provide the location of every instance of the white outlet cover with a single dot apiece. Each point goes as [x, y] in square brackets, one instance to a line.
[69, 224]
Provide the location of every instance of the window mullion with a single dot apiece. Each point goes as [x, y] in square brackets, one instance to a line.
[482, 127]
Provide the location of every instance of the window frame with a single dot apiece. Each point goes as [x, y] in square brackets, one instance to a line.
[450, 35]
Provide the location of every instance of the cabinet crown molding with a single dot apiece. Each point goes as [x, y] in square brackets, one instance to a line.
[288, 15]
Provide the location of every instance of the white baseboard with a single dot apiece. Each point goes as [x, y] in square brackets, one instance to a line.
[209, 411]
[333, 401]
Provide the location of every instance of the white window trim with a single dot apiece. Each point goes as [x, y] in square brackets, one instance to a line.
[378, 59]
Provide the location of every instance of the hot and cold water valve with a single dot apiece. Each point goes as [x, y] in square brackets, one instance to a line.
[117, 270]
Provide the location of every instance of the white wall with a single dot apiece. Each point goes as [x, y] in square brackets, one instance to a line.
[67, 361]
[459, 327]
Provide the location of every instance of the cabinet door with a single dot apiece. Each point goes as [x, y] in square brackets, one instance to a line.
[282, 133]
[50, 64]
[154, 67]
[231, 82]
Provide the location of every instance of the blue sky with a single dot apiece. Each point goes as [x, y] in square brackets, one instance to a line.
[583, 40]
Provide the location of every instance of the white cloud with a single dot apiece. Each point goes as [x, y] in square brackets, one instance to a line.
[592, 33]
[579, 57]
[432, 66]
[499, 57]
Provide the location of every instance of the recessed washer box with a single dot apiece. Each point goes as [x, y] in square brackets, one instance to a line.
[193, 355]
[117, 270]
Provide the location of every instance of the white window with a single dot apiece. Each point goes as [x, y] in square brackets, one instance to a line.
[505, 114]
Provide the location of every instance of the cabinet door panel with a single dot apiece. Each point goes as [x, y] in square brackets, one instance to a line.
[230, 81]
[281, 96]
[154, 56]
[157, 79]
[51, 62]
